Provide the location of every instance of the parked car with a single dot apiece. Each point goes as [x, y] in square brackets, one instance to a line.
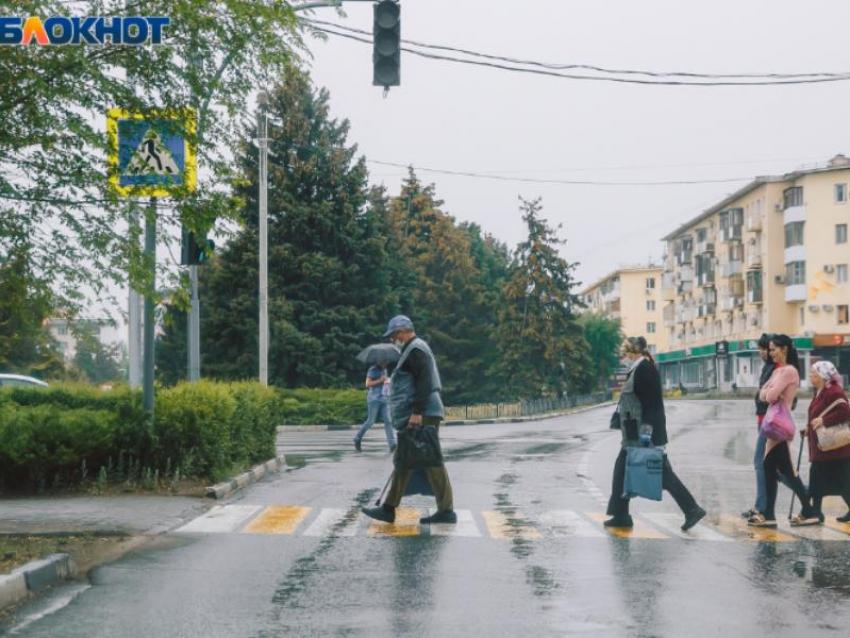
[19, 380]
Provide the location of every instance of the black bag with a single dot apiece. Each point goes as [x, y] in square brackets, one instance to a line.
[615, 420]
[418, 448]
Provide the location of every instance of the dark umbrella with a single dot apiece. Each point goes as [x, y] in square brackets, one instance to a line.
[378, 352]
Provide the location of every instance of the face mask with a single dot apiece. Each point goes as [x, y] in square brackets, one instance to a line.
[626, 362]
[398, 343]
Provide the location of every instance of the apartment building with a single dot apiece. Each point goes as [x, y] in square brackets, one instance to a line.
[771, 257]
[631, 294]
[65, 334]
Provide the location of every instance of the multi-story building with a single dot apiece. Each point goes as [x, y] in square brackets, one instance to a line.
[771, 257]
[66, 334]
[631, 294]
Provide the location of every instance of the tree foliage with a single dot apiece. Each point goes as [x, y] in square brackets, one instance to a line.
[604, 337]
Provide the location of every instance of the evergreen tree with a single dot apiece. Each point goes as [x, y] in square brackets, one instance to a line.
[543, 348]
[604, 337]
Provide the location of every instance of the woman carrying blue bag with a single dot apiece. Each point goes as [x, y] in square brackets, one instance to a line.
[641, 419]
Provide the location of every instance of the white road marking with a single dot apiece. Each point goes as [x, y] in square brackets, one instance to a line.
[465, 525]
[672, 523]
[329, 521]
[567, 524]
[220, 519]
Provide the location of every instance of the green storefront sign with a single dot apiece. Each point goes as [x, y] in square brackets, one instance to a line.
[747, 345]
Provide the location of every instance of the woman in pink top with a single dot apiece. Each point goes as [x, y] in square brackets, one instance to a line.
[782, 386]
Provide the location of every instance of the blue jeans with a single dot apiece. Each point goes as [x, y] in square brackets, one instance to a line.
[377, 411]
[758, 464]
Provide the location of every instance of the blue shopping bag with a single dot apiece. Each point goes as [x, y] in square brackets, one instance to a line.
[644, 470]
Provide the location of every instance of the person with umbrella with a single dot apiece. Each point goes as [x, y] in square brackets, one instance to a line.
[415, 405]
[377, 382]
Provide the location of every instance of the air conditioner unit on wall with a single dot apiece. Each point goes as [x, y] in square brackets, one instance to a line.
[814, 308]
[828, 307]
[778, 207]
[829, 268]
[779, 279]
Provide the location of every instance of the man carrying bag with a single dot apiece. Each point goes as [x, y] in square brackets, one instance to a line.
[416, 410]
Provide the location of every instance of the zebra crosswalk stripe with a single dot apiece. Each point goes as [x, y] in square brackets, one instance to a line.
[221, 519]
[504, 524]
[277, 520]
[333, 521]
[569, 524]
[640, 530]
[465, 526]
[672, 523]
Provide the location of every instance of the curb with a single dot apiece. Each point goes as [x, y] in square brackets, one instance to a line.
[283, 429]
[253, 475]
[34, 577]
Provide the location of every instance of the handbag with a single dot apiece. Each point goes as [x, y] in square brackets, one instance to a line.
[418, 448]
[833, 437]
[644, 472]
[615, 420]
[778, 423]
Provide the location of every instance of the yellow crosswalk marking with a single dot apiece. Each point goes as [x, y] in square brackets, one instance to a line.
[406, 524]
[506, 524]
[277, 520]
[640, 530]
[738, 529]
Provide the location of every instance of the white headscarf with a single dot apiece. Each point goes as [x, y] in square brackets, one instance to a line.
[828, 372]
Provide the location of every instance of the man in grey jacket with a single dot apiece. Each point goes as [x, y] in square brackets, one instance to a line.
[415, 401]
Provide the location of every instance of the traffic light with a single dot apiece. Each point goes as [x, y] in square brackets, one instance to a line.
[195, 251]
[387, 52]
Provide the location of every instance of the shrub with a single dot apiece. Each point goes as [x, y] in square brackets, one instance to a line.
[309, 406]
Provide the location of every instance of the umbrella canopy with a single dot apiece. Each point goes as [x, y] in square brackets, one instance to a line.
[375, 353]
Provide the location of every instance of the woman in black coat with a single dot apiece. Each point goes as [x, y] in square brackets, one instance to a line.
[643, 422]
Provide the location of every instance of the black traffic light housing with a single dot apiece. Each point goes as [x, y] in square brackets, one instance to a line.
[195, 251]
[386, 57]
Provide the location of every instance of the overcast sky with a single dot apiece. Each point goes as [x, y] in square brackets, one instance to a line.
[462, 118]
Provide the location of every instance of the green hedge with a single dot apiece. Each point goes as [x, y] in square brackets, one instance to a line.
[309, 406]
[65, 433]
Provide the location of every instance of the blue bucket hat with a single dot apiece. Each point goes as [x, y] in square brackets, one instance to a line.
[399, 322]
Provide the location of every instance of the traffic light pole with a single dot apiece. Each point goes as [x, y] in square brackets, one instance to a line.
[194, 340]
[150, 254]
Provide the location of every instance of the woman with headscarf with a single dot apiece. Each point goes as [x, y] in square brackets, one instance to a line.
[782, 386]
[830, 473]
[641, 418]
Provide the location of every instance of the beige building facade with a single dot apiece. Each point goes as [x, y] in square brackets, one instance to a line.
[632, 295]
[772, 257]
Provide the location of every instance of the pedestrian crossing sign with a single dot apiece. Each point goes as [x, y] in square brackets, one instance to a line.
[152, 153]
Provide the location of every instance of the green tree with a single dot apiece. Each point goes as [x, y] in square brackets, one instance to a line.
[543, 348]
[54, 196]
[604, 337]
[94, 359]
[26, 302]
[328, 289]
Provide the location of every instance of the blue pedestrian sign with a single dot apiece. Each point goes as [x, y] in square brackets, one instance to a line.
[151, 154]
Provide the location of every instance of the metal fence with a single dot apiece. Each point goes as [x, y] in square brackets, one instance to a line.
[524, 408]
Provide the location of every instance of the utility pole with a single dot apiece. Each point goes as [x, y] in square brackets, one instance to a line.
[263, 146]
[150, 253]
[134, 310]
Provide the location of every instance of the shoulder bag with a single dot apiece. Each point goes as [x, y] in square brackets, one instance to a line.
[833, 437]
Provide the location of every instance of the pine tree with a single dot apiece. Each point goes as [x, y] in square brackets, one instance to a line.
[604, 337]
[543, 348]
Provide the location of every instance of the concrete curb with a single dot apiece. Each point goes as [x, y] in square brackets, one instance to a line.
[283, 429]
[34, 577]
[253, 475]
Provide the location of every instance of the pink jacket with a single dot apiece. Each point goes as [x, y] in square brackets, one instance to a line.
[783, 384]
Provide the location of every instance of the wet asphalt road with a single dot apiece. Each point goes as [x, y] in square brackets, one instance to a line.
[536, 562]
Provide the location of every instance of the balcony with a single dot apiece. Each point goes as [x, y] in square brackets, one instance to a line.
[685, 287]
[797, 292]
[685, 257]
[704, 247]
[754, 222]
[686, 273]
[732, 233]
[706, 278]
[754, 296]
[795, 253]
[794, 214]
[669, 315]
[753, 261]
[729, 304]
[733, 268]
[706, 310]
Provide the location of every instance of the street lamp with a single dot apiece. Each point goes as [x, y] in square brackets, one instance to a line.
[263, 145]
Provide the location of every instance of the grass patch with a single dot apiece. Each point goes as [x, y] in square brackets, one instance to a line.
[16, 551]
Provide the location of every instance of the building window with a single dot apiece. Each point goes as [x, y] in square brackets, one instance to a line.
[650, 283]
[653, 349]
[841, 193]
[841, 233]
[793, 196]
[794, 234]
[650, 305]
[650, 328]
[844, 314]
[795, 273]
[841, 272]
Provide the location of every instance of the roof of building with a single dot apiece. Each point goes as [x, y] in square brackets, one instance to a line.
[622, 269]
[837, 163]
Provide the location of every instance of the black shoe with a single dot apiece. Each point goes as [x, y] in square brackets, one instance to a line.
[844, 519]
[749, 513]
[357, 445]
[620, 521]
[383, 513]
[693, 517]
[440, 517]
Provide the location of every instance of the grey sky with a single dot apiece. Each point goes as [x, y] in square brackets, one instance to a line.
[464, 118]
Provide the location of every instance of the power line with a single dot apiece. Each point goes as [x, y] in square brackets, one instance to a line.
[533, 180]
[586, 67]
[507, 66]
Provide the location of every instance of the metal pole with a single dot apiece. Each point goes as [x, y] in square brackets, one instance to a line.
[134, 336]
[194, 342]
[150, 253]
[263, 144]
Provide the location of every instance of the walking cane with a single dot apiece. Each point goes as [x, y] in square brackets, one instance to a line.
[799, 461]
[386, 485]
